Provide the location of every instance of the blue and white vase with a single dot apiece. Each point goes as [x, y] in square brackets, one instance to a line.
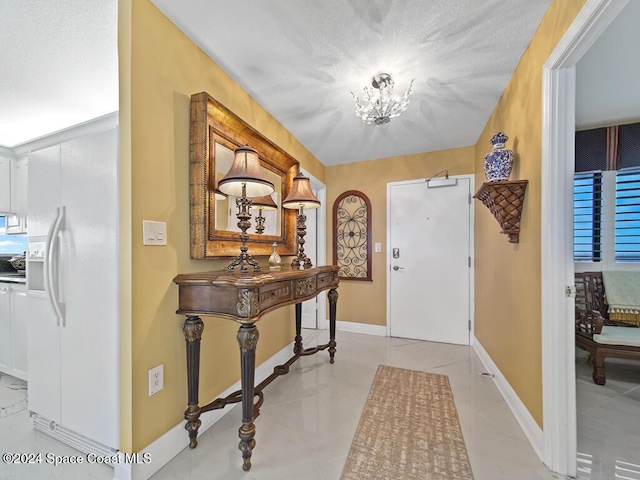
[499, 161]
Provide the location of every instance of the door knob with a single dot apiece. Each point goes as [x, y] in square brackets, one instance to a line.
[396, 268]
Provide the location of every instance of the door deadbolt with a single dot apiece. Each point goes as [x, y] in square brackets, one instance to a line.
[396, 253]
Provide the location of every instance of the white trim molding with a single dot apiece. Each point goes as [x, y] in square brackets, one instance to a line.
[557, 268]
[89, 127]
[527, 423]
[6, 151]
[366, 328]
[165, 448]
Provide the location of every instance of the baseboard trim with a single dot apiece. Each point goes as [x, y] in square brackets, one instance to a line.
[162, 450]
[353, 327]
[529, 426]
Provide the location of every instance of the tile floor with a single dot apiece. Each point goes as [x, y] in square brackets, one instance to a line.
[608, 421]
[309, 417]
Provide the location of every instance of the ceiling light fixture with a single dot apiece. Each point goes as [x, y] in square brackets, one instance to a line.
[381, 105]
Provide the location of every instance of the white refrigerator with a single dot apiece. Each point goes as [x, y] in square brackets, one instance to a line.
[72, 281]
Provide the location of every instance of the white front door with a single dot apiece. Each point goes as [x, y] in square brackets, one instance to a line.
[430, 259]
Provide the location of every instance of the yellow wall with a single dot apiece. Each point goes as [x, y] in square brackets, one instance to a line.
[124, 226]
[371, 178]
[508, 278]
[166, 69]
[159, 69]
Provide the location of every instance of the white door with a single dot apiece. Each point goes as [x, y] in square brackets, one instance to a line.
[430, 259]
[310, 307]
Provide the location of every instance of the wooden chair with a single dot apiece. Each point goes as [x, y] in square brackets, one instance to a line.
[605, 341]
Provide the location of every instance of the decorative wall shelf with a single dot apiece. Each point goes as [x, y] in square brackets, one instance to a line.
[504, 200]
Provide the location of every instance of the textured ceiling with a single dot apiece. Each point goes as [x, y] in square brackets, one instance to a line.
[301, 59]
[59, 65]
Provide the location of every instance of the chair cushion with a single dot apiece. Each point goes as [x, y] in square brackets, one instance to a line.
[628, 336]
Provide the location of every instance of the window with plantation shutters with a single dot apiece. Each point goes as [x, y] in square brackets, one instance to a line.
[587, 218]
[627, 216]
[606, 197]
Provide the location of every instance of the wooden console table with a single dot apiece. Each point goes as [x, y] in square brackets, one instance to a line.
[244, 298]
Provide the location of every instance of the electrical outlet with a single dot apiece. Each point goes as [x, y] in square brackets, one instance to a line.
[156, 379]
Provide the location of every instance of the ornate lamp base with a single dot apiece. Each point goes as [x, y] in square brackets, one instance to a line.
[301, 259]
[243, 259]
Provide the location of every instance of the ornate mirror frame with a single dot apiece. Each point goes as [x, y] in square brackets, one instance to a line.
[212, 123]
[352, 236]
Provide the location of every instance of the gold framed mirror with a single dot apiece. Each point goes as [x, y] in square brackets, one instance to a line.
[215, 133]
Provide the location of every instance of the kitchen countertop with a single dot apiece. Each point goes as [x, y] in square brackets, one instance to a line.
[12, 278]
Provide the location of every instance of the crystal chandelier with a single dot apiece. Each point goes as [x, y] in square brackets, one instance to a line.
[380, 104]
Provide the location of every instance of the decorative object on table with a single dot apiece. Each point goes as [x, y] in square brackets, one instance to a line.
[301, 196]
[505, 200]
[499, 161]
[274, 259]
[408, 429]
[380, 104]
[352, 235]
[262, 203]
[245, 179]
[19, 262]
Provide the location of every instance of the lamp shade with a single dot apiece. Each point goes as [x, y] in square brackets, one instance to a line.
[219, 195]
[265, 202]
[245, 170]
[301, 194]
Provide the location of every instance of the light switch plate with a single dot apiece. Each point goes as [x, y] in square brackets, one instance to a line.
[154, 233]
[378, 247]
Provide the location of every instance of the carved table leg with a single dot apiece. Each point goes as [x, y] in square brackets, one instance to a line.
[192, 329]
[333, 302]
[247, 340]
[297, 346]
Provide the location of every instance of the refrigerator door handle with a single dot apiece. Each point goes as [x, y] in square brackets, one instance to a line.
[51, 264]
[47, 262]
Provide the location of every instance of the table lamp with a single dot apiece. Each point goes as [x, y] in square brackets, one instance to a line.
[299, 197]
[245, 180]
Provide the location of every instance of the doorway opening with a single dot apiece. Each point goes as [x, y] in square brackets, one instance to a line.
[557, 268]
[314, 311]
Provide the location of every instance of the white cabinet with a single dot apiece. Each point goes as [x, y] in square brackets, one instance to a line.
[13, 329]
[19, 326]
[5, 327]
[13, 193]
[17, 223]
[6, 165]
